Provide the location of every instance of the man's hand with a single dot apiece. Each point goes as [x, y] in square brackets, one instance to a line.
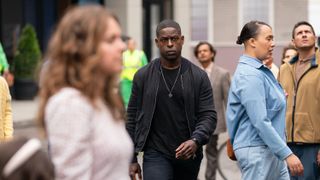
[186, 150]
[134, 170]
[294, 164]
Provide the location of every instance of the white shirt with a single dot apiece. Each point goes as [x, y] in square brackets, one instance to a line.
[275, 70]
[208, 69]
[85, 142]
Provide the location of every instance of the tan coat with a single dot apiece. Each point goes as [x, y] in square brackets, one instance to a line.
[303, 114]
[220, 82]
[6, 127]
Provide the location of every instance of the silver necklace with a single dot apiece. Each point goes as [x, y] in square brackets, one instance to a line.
[174, 83]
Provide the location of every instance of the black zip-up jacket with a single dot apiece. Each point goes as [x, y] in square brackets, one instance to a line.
[197, 95]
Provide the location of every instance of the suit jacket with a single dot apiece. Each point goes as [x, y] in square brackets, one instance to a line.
[220, 83]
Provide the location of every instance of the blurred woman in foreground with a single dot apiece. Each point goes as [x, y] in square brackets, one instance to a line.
[80, 108]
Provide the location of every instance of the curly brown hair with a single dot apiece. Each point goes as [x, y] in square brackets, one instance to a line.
[73, 60]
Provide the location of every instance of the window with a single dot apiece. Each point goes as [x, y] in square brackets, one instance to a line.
[199, 20]
[314, 15]
[255, 10]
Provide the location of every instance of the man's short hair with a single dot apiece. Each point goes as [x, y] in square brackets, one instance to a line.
[300, 23]
[125, 38]
[212, 49]
[167, 23]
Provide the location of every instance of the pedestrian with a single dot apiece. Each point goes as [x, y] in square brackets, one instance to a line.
[24, 159]
[288, 53]
[300, 79]
[256, 111]
[220, 83]
[4, 66]
[80, 107]
[6, 127]
[133, 59]
[171, 112]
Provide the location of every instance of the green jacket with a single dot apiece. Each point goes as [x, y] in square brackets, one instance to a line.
[3, 60]
[303, 102]
[132, 62]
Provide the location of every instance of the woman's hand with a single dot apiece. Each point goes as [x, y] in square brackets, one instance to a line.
[295, 165]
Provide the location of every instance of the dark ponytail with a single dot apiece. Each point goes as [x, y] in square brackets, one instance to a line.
[239, 40]
[250, 30]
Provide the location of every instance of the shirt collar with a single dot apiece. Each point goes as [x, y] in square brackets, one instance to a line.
[296, 58]
[207, 69]
[254, 62]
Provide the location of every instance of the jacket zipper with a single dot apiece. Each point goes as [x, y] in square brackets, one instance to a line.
[293, 112]
[294, 102]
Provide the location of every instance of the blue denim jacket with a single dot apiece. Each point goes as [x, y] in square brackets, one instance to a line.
[256, 108]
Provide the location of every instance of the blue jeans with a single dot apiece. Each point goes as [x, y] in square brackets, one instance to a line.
[260, 163]
[157, 166]
[308, 157]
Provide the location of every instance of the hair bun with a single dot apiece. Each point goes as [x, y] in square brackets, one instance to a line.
[239, 41]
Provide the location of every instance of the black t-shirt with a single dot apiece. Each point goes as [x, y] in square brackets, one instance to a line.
[169, 126]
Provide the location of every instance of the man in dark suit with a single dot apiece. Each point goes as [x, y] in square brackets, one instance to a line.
[220, 82]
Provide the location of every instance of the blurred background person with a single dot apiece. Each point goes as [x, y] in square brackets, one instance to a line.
[79, 105]
[24, 159]
[256, 111]
[220, 82]
[288, 53]
[133, 59]
[273, 68]
[4, 66]
[6, 126]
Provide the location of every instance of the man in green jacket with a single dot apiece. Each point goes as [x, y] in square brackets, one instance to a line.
[133, 60]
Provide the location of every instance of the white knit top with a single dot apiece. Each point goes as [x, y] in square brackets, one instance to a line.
[86, 143]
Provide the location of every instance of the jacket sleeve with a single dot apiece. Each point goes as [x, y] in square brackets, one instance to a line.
[226, 81]
[206, 115]
[6, 104]
[133, 106]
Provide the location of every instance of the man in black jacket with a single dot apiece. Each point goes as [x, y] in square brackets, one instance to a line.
[171, 112]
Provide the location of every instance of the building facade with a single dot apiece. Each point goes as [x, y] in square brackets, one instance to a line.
[218, 22]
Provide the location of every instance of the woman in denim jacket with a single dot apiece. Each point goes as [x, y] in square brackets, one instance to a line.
[256, 111]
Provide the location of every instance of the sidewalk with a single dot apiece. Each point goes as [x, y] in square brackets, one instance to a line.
[24, 112]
